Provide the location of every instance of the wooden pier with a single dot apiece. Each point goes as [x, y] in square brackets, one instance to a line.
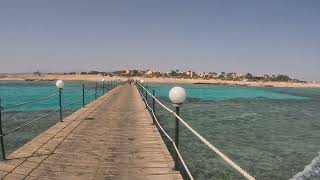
[111, 138]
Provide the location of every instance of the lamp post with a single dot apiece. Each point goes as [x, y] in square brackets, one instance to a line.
[177, 96]
[102, 86]
[60, 86]
[141, 88]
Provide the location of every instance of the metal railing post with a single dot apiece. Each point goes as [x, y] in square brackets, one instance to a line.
[60, 104]
[146, 96]
[102, 87]
[142, 92]
[153, 104]
[1, 133]
[176, 141]
[82, 95]
[95, 94]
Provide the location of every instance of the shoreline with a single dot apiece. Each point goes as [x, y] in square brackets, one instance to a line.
[54, 77]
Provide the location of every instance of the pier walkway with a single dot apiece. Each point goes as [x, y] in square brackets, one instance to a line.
[111, 138]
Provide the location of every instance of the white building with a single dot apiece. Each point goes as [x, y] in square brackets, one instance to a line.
[189, 73]
[149, 73]
[126, 71]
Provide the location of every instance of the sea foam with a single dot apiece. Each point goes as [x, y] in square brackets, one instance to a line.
[310, 172]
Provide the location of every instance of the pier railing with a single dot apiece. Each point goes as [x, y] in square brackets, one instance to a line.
[98, 89]
[177, 157]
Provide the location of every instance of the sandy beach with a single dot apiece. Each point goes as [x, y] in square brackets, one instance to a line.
[54, 77]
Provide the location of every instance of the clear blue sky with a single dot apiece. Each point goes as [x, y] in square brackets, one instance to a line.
[258, 36]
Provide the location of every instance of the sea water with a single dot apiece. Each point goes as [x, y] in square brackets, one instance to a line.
[273, 133]
[16, 92]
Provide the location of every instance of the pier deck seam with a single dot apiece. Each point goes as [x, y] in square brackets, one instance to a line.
[25, 153]
[137, 152]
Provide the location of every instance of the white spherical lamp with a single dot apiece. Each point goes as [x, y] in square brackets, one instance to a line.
[60, 84]
[102, 80]
[177, 96]
[141, 81]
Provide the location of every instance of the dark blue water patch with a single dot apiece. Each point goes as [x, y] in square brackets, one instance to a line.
[195, 101]
[305, 92]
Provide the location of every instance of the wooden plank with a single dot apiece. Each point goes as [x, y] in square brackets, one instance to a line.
[111, 138]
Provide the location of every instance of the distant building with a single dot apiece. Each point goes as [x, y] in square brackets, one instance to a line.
[37, 73]
[189, 73]
[125, 71]
[258, 78]
[148, 72]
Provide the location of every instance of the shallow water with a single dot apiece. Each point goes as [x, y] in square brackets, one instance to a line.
[273, 133]
[15, 92]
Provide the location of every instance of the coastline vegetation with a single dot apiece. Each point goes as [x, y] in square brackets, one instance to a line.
[230, 76]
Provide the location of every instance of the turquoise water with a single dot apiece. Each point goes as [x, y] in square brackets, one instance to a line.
[273, 133]
[15, 92]
[209, 92]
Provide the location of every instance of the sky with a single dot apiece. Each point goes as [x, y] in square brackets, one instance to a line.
[257, 36]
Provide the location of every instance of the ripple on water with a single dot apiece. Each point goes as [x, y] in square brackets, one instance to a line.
[272, 136]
